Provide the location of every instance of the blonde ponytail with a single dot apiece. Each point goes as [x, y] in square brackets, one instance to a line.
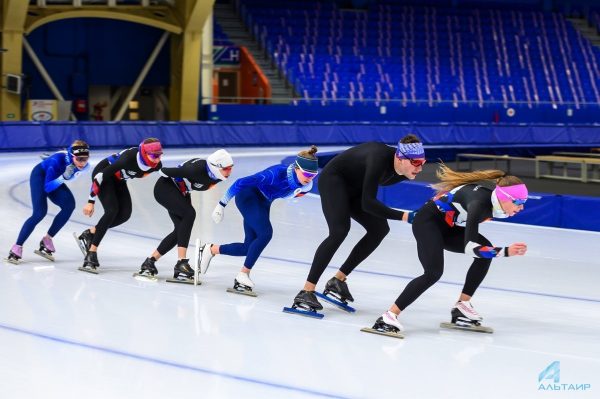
[450, 179]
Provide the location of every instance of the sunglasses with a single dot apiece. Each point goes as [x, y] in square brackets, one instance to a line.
[414, 162]
[155, 155]
[306, 173]
[516, 201]
[227, 168]
[82, 159]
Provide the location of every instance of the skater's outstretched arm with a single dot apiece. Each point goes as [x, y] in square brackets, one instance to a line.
[370, 203]
[264, 177]
[53, 176]
[472, 247]
[121, 161]
[59, 170]
[127, 165]
[476, 211]
[194, 170]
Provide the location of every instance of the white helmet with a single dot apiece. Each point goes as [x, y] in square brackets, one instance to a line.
[217, 160]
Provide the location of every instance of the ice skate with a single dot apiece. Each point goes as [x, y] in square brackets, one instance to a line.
[182, 273]
[465, 317]
[90, 263]
[15, 255]
[337, 293]
[197, 258]
[46, 249]
[205, 257]
[387, 325]
[306, 304]
[147, 271]
[242, 285]
[84, 241]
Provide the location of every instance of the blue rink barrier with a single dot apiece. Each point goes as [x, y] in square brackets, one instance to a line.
[541, 209]
[44, 136]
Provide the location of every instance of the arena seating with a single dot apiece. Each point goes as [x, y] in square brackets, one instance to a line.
[594, 20]
[427, 54]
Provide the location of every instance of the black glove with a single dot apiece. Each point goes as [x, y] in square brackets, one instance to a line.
[70, 171]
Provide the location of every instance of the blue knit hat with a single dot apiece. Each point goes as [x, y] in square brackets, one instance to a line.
[410, 150]
[307, 164]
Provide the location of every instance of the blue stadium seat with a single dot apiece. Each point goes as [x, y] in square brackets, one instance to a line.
[400, 51]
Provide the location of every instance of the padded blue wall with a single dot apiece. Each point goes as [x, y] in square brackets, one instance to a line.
[27, 135]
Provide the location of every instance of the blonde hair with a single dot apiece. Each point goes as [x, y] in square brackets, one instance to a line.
[310, 153]
[450, 179]
[150, 140]
[79, 143]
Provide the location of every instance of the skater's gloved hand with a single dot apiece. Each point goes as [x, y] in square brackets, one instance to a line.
[518, 248]
[411, 216]
[69, 171]
[218, 213]
[88, 209]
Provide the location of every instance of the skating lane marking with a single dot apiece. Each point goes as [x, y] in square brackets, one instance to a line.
[166, 362]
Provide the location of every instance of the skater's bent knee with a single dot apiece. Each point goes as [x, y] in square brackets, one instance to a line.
[433, 277]
[266, 236]
[68, 208]
[339, 232]
[379, 232]
[190, 214]
[38, 216]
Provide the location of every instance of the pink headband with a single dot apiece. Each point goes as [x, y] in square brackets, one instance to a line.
[509, 193]
[153, 148]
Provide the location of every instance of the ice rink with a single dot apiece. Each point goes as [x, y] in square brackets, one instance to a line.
[71, 334]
